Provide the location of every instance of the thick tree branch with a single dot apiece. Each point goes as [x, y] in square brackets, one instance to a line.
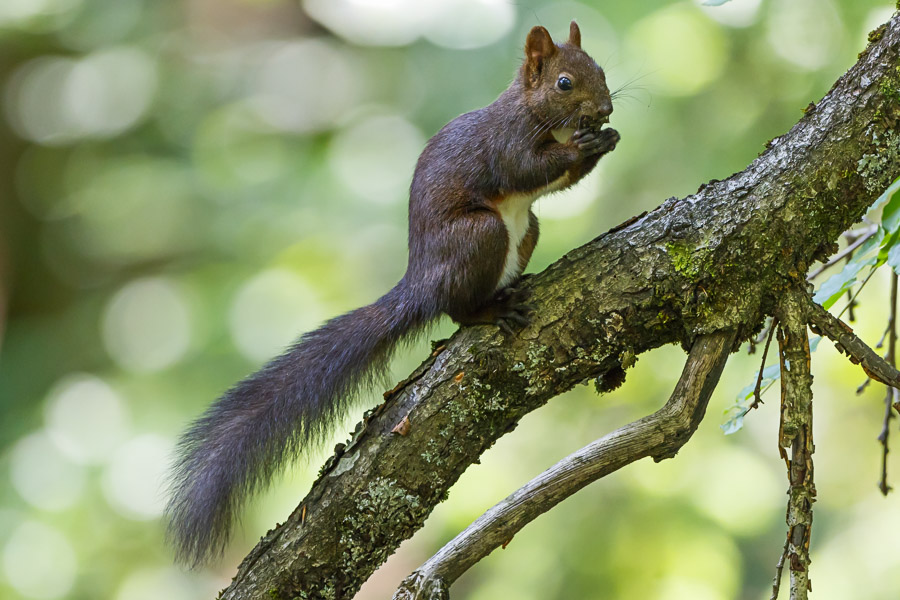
[659, 435]
[712, 261]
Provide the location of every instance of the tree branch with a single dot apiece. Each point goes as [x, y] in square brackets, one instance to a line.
[659, 435]
[713, 261]
[796, 435]
[847, 342]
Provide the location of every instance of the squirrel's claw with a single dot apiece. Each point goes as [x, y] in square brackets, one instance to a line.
[591, 142]
[506, 327]
[513, 317]
[512, 294]
[514, 309]
[508, 309]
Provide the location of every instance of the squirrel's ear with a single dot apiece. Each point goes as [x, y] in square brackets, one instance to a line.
[574, 34]
[539, 47]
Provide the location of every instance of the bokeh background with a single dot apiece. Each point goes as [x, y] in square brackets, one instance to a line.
[186, 186]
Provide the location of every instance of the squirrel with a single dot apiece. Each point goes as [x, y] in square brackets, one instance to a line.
[471, 234]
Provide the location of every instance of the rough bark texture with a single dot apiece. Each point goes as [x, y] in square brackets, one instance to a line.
[848, 343]
[796, 435]
[659, 435]
[714, 260]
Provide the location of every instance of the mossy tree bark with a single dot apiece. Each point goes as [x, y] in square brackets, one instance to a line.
[717, 260]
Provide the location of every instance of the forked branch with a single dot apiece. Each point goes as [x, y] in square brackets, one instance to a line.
[659, 435]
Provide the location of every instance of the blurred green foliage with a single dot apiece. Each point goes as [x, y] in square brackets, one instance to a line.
[186, 186]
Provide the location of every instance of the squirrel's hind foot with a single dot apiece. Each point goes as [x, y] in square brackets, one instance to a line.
[508, 308]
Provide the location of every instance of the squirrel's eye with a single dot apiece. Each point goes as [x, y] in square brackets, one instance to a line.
[564, 83]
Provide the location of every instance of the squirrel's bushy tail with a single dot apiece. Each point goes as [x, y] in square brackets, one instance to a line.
[236, 446]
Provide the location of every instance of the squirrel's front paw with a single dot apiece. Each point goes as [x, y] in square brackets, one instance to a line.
[590, 142]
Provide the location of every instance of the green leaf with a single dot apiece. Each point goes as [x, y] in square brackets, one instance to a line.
[770, 375]
[832, 288]
[889, 242]
[870, 244]
[893, 258]
[735, 422]
[883, 198]
[890, 216]
[886, 239]
[814, 343]
[741, 407]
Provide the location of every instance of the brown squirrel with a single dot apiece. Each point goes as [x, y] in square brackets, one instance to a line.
[471, 234]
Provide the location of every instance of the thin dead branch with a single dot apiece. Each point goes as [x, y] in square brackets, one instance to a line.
[854, 243]
[891, 393]
[847, 342]
[757, 389]
[779, 569]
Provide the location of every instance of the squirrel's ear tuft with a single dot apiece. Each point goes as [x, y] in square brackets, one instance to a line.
[539, 47]
[574, 34]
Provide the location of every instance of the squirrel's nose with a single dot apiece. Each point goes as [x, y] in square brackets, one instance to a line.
[605, 108]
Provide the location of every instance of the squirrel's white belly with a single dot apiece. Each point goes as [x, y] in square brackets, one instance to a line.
[514, 211]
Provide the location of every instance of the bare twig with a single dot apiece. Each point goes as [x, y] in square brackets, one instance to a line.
[759, 339]
[862, 387]
[779, 569]
[659, 435]
[796, 434]
[781, 418]
[757, 389]
[846, 252]
[883, 337]
[891, 393]
[853, 298]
